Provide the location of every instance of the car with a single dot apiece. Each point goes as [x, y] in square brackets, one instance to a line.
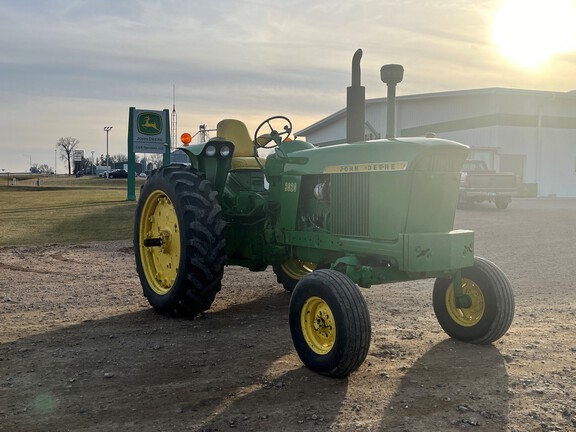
[118, 173]
[142, 174]
[104, 174]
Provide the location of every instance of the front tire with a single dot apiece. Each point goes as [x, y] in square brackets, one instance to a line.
[179, 241]
[491, 304]
[329, 323]
[292, 271]
[502, 202]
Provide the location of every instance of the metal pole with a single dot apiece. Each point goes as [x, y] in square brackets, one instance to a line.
[391, 75]
[391, 111]
[107, 129]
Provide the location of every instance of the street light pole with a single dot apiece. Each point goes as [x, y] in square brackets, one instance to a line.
[107, 129]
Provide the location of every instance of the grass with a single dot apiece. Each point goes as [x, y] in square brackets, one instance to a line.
[65, 210]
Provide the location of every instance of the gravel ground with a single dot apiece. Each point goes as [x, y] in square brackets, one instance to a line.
[81, 350]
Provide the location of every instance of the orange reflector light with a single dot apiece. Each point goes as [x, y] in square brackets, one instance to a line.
[186, 138]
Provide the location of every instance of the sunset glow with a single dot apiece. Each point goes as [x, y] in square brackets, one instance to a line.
[529, 33]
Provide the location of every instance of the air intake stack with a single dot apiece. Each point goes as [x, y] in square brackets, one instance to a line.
[391, 75]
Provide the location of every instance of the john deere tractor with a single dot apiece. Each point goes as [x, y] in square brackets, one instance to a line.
[327, 219]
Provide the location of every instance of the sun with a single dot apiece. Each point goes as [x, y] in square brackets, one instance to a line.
[531, 32]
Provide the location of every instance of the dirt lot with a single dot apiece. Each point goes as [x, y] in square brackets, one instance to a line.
[80, 349]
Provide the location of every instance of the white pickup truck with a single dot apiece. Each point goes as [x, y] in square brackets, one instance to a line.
[478, 184]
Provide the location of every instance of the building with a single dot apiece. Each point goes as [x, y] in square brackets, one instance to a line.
[531, 133]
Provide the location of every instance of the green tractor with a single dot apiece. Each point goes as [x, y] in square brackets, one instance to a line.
[327, 219]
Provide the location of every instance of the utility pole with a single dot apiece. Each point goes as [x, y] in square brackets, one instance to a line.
[107, 129]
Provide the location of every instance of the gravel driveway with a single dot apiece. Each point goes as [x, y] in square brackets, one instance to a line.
[81, 350]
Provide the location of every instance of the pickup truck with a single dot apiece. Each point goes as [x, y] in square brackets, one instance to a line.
[478, 184]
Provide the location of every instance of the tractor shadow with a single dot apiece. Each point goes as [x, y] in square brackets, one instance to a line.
[141, 371]
[453, 386]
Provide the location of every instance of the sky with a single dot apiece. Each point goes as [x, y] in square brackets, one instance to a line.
[68, 68]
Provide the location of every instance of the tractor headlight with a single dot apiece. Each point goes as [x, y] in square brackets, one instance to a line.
[210, 151]
[224, 151]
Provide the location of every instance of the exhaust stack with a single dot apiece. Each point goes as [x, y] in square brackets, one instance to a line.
[391, 75]
[355, 103]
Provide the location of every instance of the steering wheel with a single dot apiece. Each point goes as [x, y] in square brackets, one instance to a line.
[273, 138]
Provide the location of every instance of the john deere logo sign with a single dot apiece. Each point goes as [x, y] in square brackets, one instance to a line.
[149, 131]
[149, 123]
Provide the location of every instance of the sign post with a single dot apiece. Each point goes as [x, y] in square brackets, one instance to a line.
[148, 132]
[77, 157]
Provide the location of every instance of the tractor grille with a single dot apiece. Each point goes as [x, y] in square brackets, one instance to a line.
[349, 204]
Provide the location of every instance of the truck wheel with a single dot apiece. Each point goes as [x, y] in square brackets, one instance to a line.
[329, 323]
[501, 203]
[490, 311]
[290, 273]
[179, 241]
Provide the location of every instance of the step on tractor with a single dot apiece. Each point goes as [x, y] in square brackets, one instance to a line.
[328, 220]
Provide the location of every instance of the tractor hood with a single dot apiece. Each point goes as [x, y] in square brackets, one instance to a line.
[385, 155]
[380, 190]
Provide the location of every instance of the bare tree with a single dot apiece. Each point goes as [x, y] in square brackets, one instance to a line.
[40, 169]
[67, 146]
[119, 158]
[155, 160]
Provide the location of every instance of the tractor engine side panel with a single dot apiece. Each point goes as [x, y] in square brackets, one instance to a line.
[388, 211]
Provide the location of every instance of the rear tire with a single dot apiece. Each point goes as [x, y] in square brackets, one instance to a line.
[329, 323]
[491, 308]
[179, 241]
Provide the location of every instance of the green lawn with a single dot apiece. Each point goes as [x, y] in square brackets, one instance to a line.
[65, 210]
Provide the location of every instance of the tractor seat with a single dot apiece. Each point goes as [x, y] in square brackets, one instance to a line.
[236, 132]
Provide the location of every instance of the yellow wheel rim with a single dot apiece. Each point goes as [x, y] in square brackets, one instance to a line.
[297, 269]
[470, 316]
[159, 221]
[318, 325]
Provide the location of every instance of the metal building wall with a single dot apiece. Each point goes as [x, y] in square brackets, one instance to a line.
[538, 128]
[334, 132]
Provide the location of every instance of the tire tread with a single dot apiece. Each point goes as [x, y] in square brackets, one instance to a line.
[200, 217]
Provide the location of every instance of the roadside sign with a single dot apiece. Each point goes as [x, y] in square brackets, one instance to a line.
[78, 155]
[148, 132]
[149, 135]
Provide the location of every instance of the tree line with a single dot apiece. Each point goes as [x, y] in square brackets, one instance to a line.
[66, 147]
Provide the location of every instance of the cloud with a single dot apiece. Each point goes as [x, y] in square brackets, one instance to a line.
[68, 67]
